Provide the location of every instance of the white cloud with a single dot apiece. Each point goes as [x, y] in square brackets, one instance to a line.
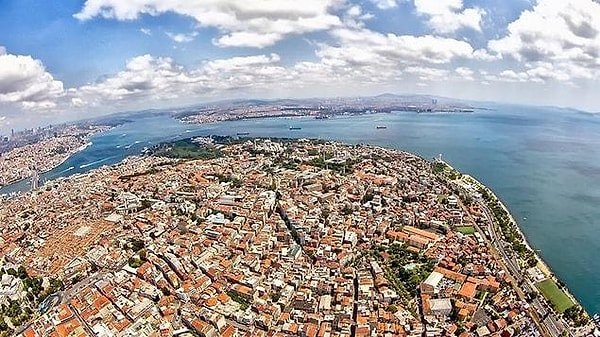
[146, 31]
[181, 37]
[236, 64]
[484, 55]
[386, 4]
[153, 79]
[25, 81]
[511, 75]
[465, 73]
[144, 77]
[366, 47]
[243, 23]
[448, 16]
[356, 13]
[251, 39]
[364, 56]
[556, 40]
[360, 56]
[428, 73]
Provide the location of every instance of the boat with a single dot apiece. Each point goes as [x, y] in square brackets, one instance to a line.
[381, 127]
[295, 128]
[243, 133]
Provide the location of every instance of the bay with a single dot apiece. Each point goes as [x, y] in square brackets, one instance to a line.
[544, 163]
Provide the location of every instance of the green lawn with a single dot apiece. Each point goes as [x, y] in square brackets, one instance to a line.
[467, 230]
[553, 294]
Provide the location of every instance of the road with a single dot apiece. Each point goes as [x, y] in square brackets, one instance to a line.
[515, 271]
[67, 294]
[548, 318]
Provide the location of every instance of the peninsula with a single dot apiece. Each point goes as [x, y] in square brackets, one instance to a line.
[221, 236]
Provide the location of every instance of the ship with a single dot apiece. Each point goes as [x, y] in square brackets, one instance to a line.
[243, 133]
[295, 128]
[381, 127]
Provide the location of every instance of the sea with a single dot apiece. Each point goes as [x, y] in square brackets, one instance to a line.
[544, 163]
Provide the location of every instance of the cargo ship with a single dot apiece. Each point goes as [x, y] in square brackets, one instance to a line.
[295, 128]
[381, 127]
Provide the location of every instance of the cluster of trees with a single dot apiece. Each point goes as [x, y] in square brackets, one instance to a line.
[342, 168]
[577, 315]
[20, 311]
[55, 285]
[137, 246]
[126, 177]
[187, 149]
[405, 280]
[441, 168]
[509, 228]
[5, 330]
[242, 300]
[347, 210]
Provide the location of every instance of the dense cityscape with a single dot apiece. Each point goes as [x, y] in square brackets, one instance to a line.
[28, 153]
[314, 168]
[223, 236]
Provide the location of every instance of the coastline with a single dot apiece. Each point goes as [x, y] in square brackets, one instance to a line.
[541, 264]
[62, 161]
[584, 296]
[545, 268]
[77, 150]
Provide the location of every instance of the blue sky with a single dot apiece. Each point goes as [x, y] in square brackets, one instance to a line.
[64, 60]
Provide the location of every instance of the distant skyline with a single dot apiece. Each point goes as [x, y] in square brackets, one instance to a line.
[66, 60]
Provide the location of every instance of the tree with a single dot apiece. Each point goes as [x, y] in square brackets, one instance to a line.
[143, 253]
[21, 273]
[137, 245]
[347, 210]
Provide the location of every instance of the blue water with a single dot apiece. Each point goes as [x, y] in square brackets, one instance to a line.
[543, 163]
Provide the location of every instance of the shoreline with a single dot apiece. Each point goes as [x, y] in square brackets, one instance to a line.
[543, 265]
[523, 237]
[62, 161]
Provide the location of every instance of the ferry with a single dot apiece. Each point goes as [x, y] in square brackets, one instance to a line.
[381, 127]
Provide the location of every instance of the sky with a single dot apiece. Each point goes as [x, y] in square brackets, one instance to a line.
[73, 59]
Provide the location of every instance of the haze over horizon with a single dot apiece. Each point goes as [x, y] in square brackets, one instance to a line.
[77, 59]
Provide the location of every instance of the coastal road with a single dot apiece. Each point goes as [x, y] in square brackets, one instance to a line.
[550, 321]
[515, 271]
